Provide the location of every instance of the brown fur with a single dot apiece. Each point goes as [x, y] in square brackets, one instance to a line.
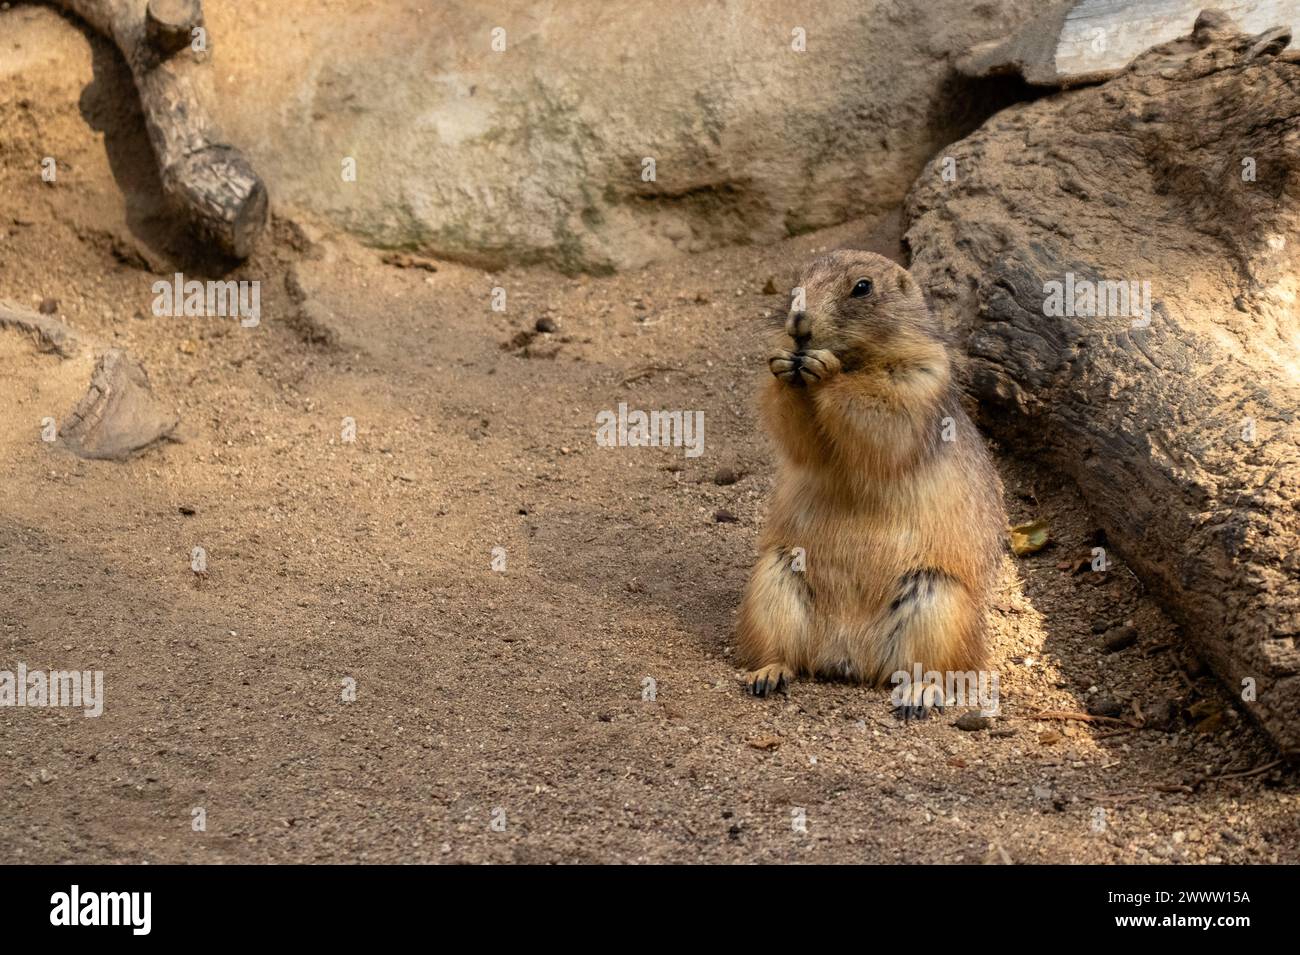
[902, 530]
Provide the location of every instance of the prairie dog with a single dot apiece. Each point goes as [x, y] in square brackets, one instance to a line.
[883, 482]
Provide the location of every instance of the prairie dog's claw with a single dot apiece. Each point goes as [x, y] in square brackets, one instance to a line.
[817, 365]
[918, 700]
[784, 365]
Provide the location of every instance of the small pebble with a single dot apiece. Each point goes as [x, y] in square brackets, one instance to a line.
[1163, 715]
[1121, 638]
[49, 306]
[1104, 706]
[725, 476]
[970, 722]
[545, 325]
[725, 516]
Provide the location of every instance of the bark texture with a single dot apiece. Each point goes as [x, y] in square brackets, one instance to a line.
[1182, 433]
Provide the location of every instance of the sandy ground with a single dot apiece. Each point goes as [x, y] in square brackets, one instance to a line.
[501, 715]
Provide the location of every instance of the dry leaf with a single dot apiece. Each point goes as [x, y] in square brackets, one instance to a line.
[1209, 716]
[1028, 538]
[765, 742]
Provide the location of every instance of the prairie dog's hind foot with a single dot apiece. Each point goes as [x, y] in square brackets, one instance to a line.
[917, 700]
[773, 678]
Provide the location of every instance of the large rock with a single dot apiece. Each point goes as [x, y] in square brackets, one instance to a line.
[535, 154]
[1084, 41]
[1182, 173]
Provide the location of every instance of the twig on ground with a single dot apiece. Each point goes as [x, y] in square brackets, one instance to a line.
[645, 372]
[1076, 715]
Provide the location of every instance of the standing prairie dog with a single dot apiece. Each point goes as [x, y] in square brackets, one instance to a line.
[885, 531]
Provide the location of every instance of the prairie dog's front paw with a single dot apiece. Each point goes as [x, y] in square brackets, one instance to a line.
[817, 365]
[785, 365]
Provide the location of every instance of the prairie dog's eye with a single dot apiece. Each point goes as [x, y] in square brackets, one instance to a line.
[861, 287]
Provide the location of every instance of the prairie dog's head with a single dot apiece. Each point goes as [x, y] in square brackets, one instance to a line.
[864, 308]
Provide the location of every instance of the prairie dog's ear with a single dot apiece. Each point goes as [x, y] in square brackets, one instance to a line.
[905, 283]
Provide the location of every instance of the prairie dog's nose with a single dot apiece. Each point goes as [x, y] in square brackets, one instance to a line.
[796, 326]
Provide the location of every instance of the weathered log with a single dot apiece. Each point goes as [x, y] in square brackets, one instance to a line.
[169, 25]
[166, 46]
[1086, 41]
[1179, 421]
[49, 334]
[118, 416]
